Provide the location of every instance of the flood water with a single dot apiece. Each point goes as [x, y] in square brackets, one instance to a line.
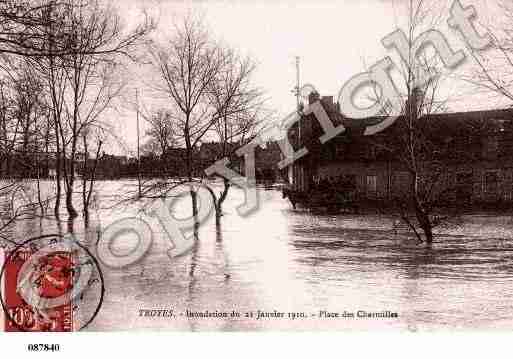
[292, 261]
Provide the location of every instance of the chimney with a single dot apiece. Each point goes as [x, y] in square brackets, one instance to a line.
[312, 97]
[327, 101]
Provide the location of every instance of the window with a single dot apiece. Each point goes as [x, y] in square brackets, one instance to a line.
[401, 179]
[464, 178]
[464, 186]
[491, 182]
[372, 185]
[371, 152]
[339, 150]
[490, 147]
[350, 180]
[400, 184]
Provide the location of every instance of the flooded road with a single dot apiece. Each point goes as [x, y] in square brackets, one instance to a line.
[282, 260]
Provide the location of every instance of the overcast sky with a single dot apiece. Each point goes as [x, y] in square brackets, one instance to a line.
[334, 39]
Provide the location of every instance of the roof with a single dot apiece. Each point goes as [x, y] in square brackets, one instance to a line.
[455, 122]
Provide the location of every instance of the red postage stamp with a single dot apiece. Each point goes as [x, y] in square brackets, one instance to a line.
[50, 283]
[31, 286]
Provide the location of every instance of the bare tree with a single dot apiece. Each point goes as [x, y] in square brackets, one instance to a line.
[187, 64]
[23, 119]
[81, 82]
[20, 136]
[240, 109]
[25, 30]
[161, 132]
[411, 143]
[492, 73]
[89, 169]
[57, 60]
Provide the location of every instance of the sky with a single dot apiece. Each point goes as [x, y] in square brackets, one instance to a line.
[335, 40]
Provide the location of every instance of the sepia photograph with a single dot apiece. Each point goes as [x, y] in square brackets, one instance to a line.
[255, 166]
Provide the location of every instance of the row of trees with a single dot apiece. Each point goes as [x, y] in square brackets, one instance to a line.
[210, 93]
[62, 72]
[61, 69]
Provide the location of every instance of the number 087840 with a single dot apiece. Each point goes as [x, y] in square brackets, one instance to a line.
[43, 347]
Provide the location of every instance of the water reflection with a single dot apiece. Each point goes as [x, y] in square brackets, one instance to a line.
[281, 259]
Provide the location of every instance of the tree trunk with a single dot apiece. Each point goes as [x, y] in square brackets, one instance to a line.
[195, 213]
[70, 182]
[424, 221]
[39, 200]
[71, 179]
[86, 217]
[219, 213]
[219, 203]
[58, 193]
[190, 164]
[69, 201]
[428, 231]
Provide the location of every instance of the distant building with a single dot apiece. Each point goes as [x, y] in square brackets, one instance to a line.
[108, 166]
[266, 162]
[174, 162]
[210, 152]
[474, 149]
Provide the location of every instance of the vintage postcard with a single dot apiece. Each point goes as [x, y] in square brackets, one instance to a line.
[255, 166]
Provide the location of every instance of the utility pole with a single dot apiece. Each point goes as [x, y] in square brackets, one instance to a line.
[138, 145]
[298, 104]
[298, 94]
[297, 80]
[295, 171]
